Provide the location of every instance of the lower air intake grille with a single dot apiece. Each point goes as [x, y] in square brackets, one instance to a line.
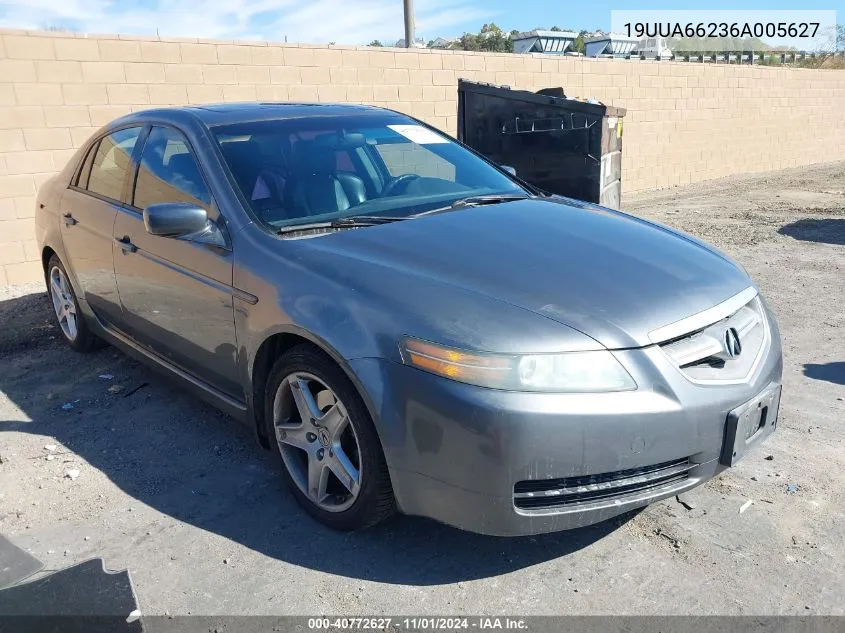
[570, 491]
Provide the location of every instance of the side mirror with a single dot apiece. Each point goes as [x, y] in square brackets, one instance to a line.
[509, 169]
[175, 219]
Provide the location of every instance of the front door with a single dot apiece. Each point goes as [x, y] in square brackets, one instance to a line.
[88, 209]
[176, 293]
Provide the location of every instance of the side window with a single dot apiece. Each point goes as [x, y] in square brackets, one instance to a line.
[410, 158]
[111, 163]
[169, 172]
[376, 177]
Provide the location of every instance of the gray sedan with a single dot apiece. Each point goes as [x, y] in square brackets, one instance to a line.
[407, 325]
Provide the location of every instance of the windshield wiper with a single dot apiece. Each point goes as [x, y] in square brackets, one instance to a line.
[476, 201]
[365, 220]
[352, 221]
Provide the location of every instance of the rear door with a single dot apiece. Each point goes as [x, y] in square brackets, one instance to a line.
[89, 208]
[176, 292]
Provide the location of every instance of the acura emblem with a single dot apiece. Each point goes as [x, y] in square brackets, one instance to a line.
[733, 347]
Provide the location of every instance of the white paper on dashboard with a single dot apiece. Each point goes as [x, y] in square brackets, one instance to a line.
[418, 134]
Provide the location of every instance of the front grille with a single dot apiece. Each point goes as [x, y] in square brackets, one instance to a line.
[570, 491]
[703, 356]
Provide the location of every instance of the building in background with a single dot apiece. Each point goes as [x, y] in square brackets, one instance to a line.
[442, 42]
[418, 43]
[610, 45]
[654, 48]
[549, 42]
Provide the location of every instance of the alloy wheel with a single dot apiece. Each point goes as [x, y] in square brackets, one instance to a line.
[317, 441]
[63, 303]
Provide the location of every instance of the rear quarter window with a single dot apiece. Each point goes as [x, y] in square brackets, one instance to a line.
[85, 171]
[111, 163]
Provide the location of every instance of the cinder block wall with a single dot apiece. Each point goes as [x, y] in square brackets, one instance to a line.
[685, 123]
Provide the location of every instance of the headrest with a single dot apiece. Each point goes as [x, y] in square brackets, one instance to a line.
[240, 151]
[313, 156]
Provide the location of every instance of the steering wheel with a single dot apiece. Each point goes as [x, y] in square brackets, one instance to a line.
[400, 181]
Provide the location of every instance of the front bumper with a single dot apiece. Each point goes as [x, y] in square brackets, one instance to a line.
[456, 452]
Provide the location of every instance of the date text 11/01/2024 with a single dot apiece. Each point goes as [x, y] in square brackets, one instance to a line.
[722, 29]
[418, 624]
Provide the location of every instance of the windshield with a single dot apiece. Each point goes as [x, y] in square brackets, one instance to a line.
[313, 169]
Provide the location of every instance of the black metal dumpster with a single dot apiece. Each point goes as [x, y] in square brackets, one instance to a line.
[561, 145]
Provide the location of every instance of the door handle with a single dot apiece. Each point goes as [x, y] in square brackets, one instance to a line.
[69, 219]
[126, 244]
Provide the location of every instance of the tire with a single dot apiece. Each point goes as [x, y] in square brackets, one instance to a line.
[307, 370]
[80, 337]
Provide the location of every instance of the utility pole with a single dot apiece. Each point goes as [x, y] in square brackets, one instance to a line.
[409, 23]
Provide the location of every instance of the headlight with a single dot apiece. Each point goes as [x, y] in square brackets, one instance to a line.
[571, 372]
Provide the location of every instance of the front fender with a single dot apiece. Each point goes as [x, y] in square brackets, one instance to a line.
[355, 309]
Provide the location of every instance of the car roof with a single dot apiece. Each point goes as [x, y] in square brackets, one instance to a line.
[225, 113]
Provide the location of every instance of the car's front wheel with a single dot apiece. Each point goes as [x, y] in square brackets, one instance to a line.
[71, 320]
[332, 456]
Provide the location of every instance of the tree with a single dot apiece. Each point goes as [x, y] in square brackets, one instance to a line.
[556, 28]
[578, 45]
[375, 43]
[490, 38]
[830, 58]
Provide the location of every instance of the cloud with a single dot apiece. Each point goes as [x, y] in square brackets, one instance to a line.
[341, 21]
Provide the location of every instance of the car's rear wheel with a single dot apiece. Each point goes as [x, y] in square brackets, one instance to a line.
[332, 456]
[70, 318]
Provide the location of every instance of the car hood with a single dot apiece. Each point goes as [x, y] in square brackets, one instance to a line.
[609, 275]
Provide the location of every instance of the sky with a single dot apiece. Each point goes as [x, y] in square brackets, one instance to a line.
[340, 21]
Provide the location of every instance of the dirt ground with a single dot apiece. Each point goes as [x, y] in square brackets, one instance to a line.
[182, 496]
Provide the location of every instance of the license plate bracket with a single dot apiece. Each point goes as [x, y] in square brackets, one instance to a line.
[749, 423]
